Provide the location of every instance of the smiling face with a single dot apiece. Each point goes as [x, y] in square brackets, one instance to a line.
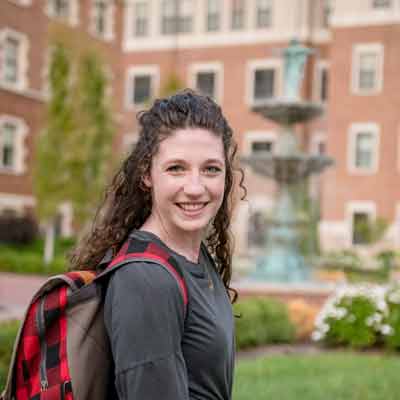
[187, 181]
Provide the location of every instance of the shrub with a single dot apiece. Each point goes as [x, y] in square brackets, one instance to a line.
[391, 323]
[8, 332]
[18, 230]
[262, 321]
[303, 317]
[353, 316]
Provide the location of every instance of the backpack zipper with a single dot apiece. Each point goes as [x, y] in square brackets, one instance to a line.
[44, 383]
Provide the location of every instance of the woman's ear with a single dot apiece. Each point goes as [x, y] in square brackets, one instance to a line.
[147, 181]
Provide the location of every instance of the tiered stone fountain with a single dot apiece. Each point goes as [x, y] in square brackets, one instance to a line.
[282, 261]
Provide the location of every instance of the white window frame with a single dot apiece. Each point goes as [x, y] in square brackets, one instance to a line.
[153, 71]
[358, 50]
[19, 145]
[245, 17]
[215, 67]
[320, 66]
[352, 207]
[22, 81]
[354, 130]
[108, 33]
[254, 65]
[251, 137]
[73, 17]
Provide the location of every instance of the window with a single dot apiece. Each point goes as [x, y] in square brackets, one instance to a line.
[207, 79]
[11, 62]
[63, 9]
[360, 221]
[367, 69]
[205, 83]
[263, 11]
[142, 85]
[238, 15]
[102, 15]
[259, 142]
[8, 134]
[12, 134]
[142, 89]
[59, 8]
[381, 4]
[321, 81]
[177, 16]
[213, 15]
[264, 80]
[13, 59]
[262, 146]
[141, 22]
[364, 148]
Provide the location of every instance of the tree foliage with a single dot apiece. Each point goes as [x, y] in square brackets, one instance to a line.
[74, 149]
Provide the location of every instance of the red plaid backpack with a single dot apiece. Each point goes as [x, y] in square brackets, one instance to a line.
[62, 351]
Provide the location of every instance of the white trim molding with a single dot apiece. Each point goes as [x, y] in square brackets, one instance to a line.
[20, 155]
[352, 207]
[141, 70]
[358, 51]
[215, 67]
[250, 137]
[356, 129]
[16, 202]
[252, 66]
[22, 59]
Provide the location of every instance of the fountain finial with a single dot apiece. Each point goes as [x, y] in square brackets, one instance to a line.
[295, 57]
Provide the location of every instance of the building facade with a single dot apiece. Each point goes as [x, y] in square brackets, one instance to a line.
[230, 50]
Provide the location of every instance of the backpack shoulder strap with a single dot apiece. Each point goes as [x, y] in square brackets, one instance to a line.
[147, 251]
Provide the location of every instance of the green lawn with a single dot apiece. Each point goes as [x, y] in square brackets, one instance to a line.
[326, 376]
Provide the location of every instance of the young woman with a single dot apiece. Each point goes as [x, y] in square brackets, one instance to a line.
[175, 189]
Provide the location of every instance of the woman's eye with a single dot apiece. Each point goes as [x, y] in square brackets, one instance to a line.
[213, 169]
[175, 168]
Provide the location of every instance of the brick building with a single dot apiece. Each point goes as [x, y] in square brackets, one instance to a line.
[229, 50]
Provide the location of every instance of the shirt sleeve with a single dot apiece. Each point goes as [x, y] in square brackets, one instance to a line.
[144, 319]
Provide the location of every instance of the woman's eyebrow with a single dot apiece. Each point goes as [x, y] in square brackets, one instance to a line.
[181, 160]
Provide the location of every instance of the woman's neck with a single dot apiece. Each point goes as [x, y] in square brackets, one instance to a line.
[188, 246]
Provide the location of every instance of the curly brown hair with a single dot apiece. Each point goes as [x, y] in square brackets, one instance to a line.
[127, 202]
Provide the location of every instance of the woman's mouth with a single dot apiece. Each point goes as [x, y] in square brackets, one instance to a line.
[192, 208]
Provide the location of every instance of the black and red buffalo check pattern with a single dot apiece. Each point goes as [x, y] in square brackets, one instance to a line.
[42, 349]
[29, 355]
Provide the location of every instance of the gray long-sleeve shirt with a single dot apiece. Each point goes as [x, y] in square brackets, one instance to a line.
[157, 353]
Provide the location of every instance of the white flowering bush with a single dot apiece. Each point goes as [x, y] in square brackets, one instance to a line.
[354, 316]
[391, 323]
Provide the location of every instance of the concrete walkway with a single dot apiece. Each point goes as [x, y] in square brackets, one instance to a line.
[15, 293]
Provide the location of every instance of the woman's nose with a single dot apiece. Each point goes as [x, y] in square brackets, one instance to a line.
[194, 185]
